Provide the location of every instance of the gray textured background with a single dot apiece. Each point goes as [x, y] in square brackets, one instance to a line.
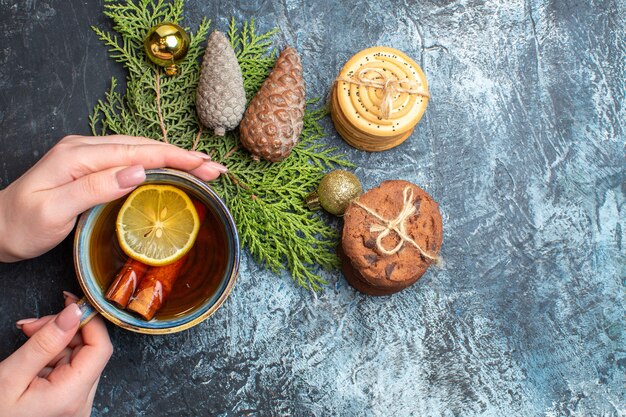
[522, 145]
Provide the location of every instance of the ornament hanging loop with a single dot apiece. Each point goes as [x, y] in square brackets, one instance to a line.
[312, 201]
[172, 70]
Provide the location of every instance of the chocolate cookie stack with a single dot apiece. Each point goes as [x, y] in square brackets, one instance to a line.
[378, 98]
[391, 235]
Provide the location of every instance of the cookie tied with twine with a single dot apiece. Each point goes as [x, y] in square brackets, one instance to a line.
[378, 98]
[391, 235]
[397, 225]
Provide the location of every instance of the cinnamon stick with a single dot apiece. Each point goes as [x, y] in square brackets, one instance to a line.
[126, 282]
[154, 289]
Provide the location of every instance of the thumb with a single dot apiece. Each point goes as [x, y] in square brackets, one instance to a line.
[42, 347]
[99, 187]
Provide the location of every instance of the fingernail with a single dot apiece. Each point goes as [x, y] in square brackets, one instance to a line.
[22, 322]
[206, 173]
[69, 317]
[67, 294]
[131, 176]
[201, 155]
[221, 168]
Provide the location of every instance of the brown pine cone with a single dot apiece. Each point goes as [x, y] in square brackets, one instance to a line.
[273, 122]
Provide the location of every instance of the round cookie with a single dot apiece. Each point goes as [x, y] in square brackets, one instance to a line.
[360, 104]
[377, 99]
[374, 272]
[358, 139]
[356, 280]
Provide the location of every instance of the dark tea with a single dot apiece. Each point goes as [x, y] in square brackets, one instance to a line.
[200, 276]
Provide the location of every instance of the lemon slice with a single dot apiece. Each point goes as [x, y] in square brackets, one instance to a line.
[157, 224]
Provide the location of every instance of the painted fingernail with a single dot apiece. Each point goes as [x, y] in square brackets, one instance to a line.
[219, 167]
[131, 176]
[69, 317]
[22, 322]
[67, 294]
[205, 173]
[201, 155]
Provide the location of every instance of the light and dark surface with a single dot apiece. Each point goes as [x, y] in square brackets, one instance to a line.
[522, 145]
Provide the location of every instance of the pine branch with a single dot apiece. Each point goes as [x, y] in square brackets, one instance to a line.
[157, 101]
[266, 199]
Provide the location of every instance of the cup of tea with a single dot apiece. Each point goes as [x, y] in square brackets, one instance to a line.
[204, 282]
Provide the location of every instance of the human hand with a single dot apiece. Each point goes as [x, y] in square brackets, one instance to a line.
[56, 372]
[39, 209]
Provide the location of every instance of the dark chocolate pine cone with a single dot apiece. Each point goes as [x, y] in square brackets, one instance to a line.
[272, 123]
[221, 98]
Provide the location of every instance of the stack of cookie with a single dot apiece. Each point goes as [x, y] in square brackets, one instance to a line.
[378, 98]
[391, 235]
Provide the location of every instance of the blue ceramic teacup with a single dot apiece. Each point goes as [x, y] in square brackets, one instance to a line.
[95, 301]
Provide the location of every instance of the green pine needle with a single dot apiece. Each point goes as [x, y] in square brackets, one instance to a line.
[266, 199]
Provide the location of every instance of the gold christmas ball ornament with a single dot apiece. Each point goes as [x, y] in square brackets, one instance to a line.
[166, 44]
[335, 192]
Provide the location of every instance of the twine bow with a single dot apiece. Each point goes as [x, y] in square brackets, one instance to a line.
[397, 225]
[386, 82]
